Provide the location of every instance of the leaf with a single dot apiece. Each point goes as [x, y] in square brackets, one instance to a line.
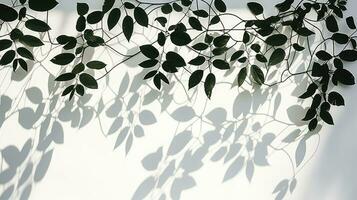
[24, 53]
[78, 68]
[331, 24]
[200, 46]
[148, 63]
[241, 76]
[5, 44]
[276, 57]
[195, 23]
[210, 82]
[297, 47]
[37, 25]
[42, 6]
[8, 14]
[81, 24]
[255, 8]
[343, 76]
[107, 5]
[326, 117]
[63, 58]
[220, 5]
[257, 74]
[200, 13]
[31, 41]
[340, 38]
[183, 114]
[128, 27]
[221, 41]
[311, 89]
[175, 59]
[34, 94]
[237, 55]
[234, 168]
[8, 57]
[323, 55]
[276, 40]
[348, 55]
[195, 78]
[149, 51]
[88, 81]
[152, 161]
[166, 8]
[141, 17]
[199, 60]
[146, 117]
[336, 99]
[82, 8]
[179, 142]
[94, 17]
[95, 64]
[65, 77]
[113, 18]
[180, 38]
[350, 22]
[300, 152]
[221, 64]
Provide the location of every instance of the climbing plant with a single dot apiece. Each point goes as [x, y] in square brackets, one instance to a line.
[252, 48]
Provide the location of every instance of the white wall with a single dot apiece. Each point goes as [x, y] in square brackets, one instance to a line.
[73, 158]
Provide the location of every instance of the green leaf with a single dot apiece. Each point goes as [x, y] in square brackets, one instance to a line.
[149, 51]
[246, 37]
[276, 57]
[82, 8]
[336, 99]
[255, 8]
[297, 47]
[63, 59]
[200, 13]
[348, 55]
[129, 5]
[180, 38]
[210, 82]
[326, 117]
[5, 44]
[81, 24]
[340, 38]
[37, 25]
[161, 39]
[257, 74]
[276, 40]
[311, 89]
[241, 76]
[175, 59]
[177, 7]
[25, 53]
[42, 6]
[237, 55]
[343, 76]
[80, 89]
[95, 64]
[261, 58]
[312, 124]
[199, 60]
[8, 14]
[195, 78]
[113, 18]
[148, 63]
[128, 27]
[220, 5]
[331, 24]
[31, 41]
[350, 22]
[221, 64]
[200, 46]
[65, 77]
[7, 58]
[78, 68]
[94, 17]
[221, 40]
[107, 5]
[323, 55]
[166, 8]
[141, 17]
[88, 81]
[195, 23]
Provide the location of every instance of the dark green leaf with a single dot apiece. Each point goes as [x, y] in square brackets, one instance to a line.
[221, 41]
[95, 64]
[340, 38]
[336, 99]
[128, 27]
[246, 37]
[150, 74]
[221, 64]
[237, 55]
[215, 20]
[5, 44]
[326, 117]
[63, 58]
[16, 34]
[148, 63]
[88, 81]
[129, 5]
[241, 76]
[276, 57]
[255, 8]
[82, 8]
[180, 38]
[166, 8]
[65, 77]
[161, 20]
[312, 124]
[175, 58]
[255, 47]
[149, 51]
[195, 78]
[81, 24]
[219, 51]
[323, 55]
[220, 5]
[348, 55]
[261, 58]
[343, 76]
[31, 41]
[195, 23]
[68, 90]
[22, 63]
[199, 60]
[8, 14]
[257, 74]
[200, 13]
[78, 68]
[161, 39]
[177, 7]
[186, 2]
[141, 17]
[107, 5]
[311, 113]
[351, 22]
[297, 47]
[25, 53]
[94, 17]
[113, 18]
[210, 82]
[37, 25]
[311, 89]
[331, 24]
[200, 46]
[8, 57]
[276, 40]
[80, 89]
[41, 6]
